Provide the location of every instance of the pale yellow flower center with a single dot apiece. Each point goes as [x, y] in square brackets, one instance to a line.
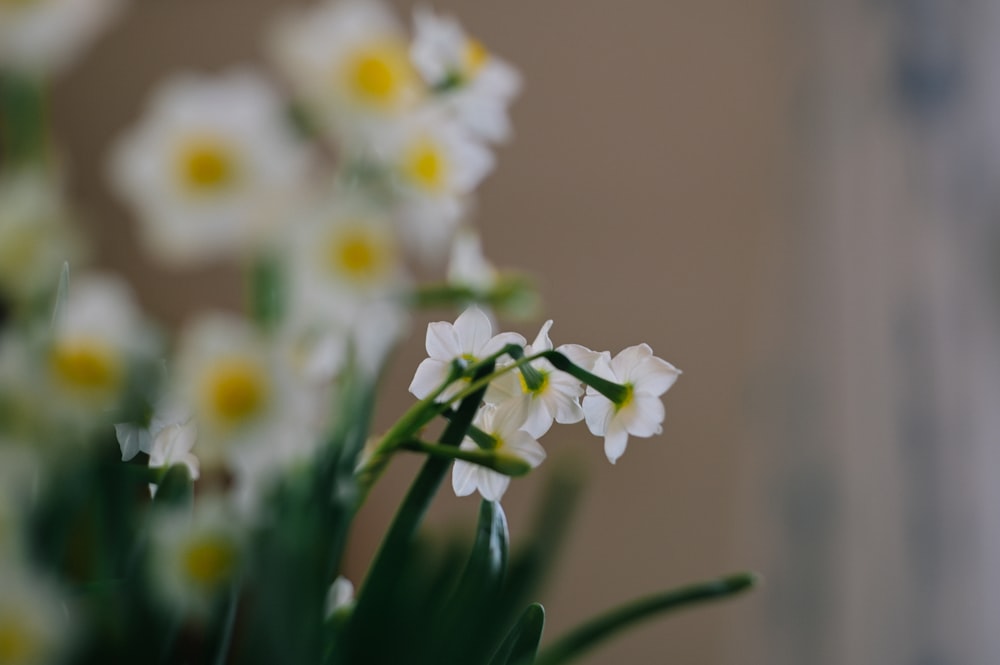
[426, 166]
[209, 562]
[206, 165]
[527, 390]
[85, 365]
[21, 247]
[474, 57]
[380, 74]
[359, 255]
[629, 396]
[17, 643]
[235, 391]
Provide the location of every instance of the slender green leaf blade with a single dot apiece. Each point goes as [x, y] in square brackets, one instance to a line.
[521, 643]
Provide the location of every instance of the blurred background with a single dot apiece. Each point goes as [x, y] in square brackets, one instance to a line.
[796, 204]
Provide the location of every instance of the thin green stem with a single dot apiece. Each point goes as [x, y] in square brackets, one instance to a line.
[508, 465]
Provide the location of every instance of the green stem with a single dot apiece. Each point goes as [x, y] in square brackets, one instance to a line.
[505, 464]
[599, 629]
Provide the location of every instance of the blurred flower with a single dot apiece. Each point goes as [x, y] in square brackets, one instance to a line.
[39, 37]
[348, 62]
[645, 378]
[474, 86]
[172, 445]
[436, 165]
[469, 339]
[467, 266]
[33, 624]
[556, 398]
[212, 167]
[504, 425]
[35, 239]
[195, 557]
[340, 596]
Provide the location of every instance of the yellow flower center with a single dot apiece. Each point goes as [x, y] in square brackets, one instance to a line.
[17, 643]
[236, 390]
[426, 166]
[359, 255]
[206, 165]
[527, 390]
[86, 365]
[629, 395]
[379, 75]
[474, 57]
[209, 562]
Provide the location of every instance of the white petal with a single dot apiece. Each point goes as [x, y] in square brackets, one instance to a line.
[615, 441]
[542, 341]
[626, 362]
[464, 478]
[644, 415]
[654, 376]
[474, 329]
[130, 439]
[429, 375]
[442, 341]
[508, 418]
[523, 445]
[598, 410]
[496, 343]
[492, 485]
[539, 420]
[581, 355]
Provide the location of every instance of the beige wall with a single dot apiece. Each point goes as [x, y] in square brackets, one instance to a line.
[643, 188]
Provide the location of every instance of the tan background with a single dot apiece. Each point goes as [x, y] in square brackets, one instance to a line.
[643, 188]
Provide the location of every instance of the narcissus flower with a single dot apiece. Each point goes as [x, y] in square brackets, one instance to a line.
[641, 413]
[504, 426]
[33, 623]
[469, 339]
[473, 85]
[212, 167]
[41, 37]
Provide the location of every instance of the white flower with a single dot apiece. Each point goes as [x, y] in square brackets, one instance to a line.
[470, 339]
[196, 557]
[35, 239]
[172, 445]
[467, 266]
[212, 168]
[436, 166]
[33, 624]
[504, 425]
[474, 86]
[96, 336]
[555, 399]
[39, 37]
[340, 595]
[645, 378]
[348, 61]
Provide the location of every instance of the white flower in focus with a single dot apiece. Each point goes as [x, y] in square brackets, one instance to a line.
[645, 378]
[40, 37]
[474, 86]
[35, 238]
[33, 624]
[212, 168]
[436, 166]
[467, 266]
[348, 62]
[96, 336]
[469, 339]
[227, 377]
[504, 425]
[196, 557]
[556, 399]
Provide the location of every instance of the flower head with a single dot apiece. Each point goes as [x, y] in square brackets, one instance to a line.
[504, 426]
[43, 36]
[641, 413]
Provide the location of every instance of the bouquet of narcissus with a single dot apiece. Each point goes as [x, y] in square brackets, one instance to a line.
[187, 499]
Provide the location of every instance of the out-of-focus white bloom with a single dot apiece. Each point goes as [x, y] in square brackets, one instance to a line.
[436, 166]
[474, 86]
[555, 399]
[212, 168]
[344, 254]
[35, 239]
[467, 265]
[340, 595]
[195, 557]
[645, 378]
[96, 336]
[172, 445]
[228, 378]
[348, 61]
[40, 37]
[469, 339]
[504, 425]
[33, 624]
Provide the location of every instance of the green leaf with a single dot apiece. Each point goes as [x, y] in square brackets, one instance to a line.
[267, 292]
[521, 643]
[599, 629]
[176, 488]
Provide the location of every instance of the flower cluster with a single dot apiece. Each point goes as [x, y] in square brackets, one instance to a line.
[242, 441]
